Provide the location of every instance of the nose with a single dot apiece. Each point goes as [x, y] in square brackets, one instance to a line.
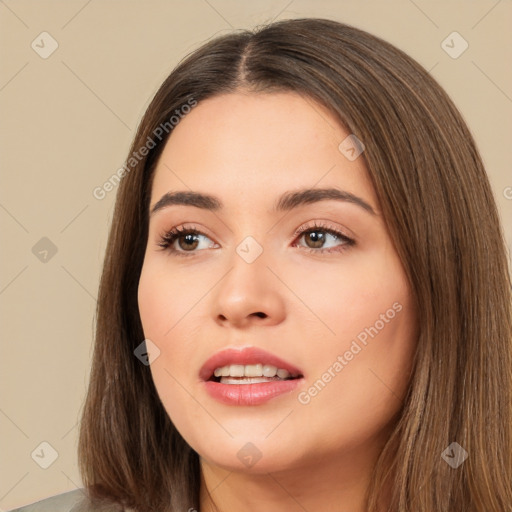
[249, 294]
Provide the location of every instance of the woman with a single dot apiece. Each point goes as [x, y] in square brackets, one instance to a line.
[305, 302]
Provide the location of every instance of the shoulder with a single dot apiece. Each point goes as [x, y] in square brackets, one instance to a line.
[74, 501]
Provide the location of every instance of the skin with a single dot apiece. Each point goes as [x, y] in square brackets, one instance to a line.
[247, 149]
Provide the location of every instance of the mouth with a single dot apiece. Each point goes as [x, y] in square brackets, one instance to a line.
[248, 376]
[251, 374]
[240, 365]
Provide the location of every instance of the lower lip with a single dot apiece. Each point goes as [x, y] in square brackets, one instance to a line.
[249, 394]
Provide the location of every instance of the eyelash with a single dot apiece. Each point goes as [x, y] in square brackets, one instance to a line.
[168, 238]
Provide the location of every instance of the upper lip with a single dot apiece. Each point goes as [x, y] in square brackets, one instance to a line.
[243, 356]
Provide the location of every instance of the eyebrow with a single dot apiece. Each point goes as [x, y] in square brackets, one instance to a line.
[286, 202]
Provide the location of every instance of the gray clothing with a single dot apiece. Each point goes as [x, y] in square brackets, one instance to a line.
[74, 501]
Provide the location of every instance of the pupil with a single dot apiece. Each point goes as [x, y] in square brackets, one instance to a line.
[190, 239]
[316, 238]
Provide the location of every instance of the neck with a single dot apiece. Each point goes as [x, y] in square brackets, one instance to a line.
[327, 484]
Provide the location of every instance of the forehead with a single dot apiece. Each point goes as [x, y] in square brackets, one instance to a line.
[251, 146]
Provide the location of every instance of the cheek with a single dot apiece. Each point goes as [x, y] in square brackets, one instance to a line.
[166, 311]
[148, 301]
[159, 314]
[153, 306]
[163, 313]
[366, 300]
[166, 298]
[360, 366]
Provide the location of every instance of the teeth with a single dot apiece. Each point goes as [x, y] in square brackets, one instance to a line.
[269, 370]
[246, 380]
[237, 370]
[283, 374]
[251, 370]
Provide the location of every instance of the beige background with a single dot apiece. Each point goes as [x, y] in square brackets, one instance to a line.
[66, 125]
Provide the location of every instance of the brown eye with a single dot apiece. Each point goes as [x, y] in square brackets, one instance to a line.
[317, 237]
[190, 241]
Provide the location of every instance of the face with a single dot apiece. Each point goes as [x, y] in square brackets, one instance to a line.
[259, 278]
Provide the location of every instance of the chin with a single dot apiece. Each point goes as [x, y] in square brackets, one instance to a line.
[250, 459]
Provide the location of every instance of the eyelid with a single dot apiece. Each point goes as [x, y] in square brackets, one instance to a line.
[328, 228]
[170, 236]
[324, 226]
[175, 232]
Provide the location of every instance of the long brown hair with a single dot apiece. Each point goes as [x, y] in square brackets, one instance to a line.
[440, 212]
